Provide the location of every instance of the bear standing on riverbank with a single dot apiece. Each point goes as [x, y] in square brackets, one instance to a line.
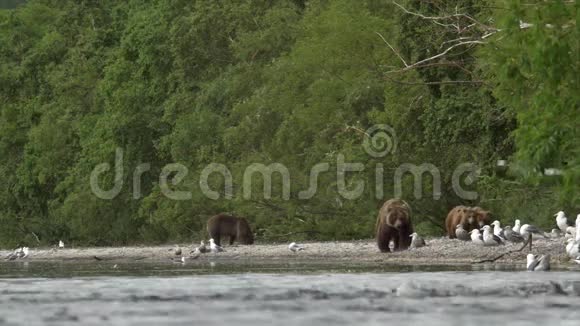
[470, 217]
[482, 216]
[237, 228]
[459, 215]
[394, 224]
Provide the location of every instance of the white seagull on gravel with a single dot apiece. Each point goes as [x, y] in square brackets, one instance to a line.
[556, 233]
[214, 247]
[417, 241]
[497, 230]
[202, 248]
[571, 232]
[490, 239]
[517, 226]
[18, 253]
[194, 255]
[512, 236]
[535, 263]
[177, 251]
[476, 237]
[561, 221]
[573, 248]
[294, 247]
[461, 233]
[578, 227]
[527, 229]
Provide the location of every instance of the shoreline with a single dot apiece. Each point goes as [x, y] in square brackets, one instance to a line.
[439, 251]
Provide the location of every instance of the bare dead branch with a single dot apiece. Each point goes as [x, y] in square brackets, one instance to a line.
[357, 130]
[436, 19]
[443, 82]
[397, 53]
[443, 53]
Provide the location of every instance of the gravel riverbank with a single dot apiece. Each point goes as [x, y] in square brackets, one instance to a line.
[440, 251]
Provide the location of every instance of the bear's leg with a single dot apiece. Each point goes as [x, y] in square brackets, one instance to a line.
[396, 240]
[404, 236]
[383, 238]
[232, 239]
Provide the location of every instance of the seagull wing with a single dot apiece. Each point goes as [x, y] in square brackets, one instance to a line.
[516, 237]
[543, 263]
[532, 229]
[533, 264]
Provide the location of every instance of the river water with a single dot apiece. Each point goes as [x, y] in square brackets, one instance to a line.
[149, 294]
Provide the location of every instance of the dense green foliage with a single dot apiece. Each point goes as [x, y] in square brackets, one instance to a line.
[292, 82]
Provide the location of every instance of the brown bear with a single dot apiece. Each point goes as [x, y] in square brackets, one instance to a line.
[469, 217]
[394, 223]
[482, 216]
[457, 215]
[223, 225]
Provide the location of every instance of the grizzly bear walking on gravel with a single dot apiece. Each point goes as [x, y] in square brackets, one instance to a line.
[223, 225]
[394, 224]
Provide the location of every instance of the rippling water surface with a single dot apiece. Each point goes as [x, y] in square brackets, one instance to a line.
[57, 294]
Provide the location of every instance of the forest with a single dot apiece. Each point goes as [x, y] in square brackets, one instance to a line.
[146, 91]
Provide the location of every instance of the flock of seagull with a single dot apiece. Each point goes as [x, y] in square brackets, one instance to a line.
[196, 252]
[215, 249]
[497, 236]
[23, 252]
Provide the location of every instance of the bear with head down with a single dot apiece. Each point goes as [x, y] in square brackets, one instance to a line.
[236, 228]
[469, 217]
[394, 224]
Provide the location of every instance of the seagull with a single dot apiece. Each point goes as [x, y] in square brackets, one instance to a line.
[60, 244]
[511, 235]
[538, 264]
[497, 230]
[177, 250]
[573, 248]
[527, 229]
[23, 252]
[570, 232]
[561, 221]
[476, 237]
[578, 227]
[461, 233]
[17, 253]
[201, 248]
[516, 227]
[195, 255]
[556, 233]
[490, 239]
[294, 247]
[417, 241]
[214, 248]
